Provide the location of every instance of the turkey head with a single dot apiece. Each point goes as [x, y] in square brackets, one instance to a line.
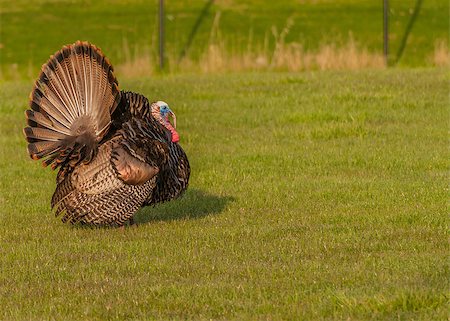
[160, 111]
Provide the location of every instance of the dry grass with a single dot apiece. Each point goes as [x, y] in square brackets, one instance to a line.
[139, 66]
[137, 62]
[284, 56]
[291, 57]
[441, 55]
[273, 54]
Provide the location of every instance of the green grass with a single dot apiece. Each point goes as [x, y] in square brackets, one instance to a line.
[313, 196]
[32, 30]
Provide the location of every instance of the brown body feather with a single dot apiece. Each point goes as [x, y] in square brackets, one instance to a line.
[114, 157]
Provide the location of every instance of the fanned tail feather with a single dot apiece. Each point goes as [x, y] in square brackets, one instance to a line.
[71, 105]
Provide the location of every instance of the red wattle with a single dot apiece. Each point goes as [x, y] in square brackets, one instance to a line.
[175, 136]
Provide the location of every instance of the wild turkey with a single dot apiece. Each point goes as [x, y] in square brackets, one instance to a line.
[115, 151]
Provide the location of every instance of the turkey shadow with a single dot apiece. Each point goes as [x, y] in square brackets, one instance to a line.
[194, 204]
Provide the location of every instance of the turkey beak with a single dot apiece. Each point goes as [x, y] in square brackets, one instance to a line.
[174, 119]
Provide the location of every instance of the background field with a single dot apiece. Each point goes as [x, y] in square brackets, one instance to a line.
[314, 194]
[127, 30]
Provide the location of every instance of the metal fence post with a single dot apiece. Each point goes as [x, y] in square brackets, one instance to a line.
[386, 31]
[161, 34]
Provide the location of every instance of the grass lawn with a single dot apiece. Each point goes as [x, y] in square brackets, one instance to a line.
[318, 195]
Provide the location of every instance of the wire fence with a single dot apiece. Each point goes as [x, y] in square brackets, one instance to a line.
[145, 37]
[389, 60]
